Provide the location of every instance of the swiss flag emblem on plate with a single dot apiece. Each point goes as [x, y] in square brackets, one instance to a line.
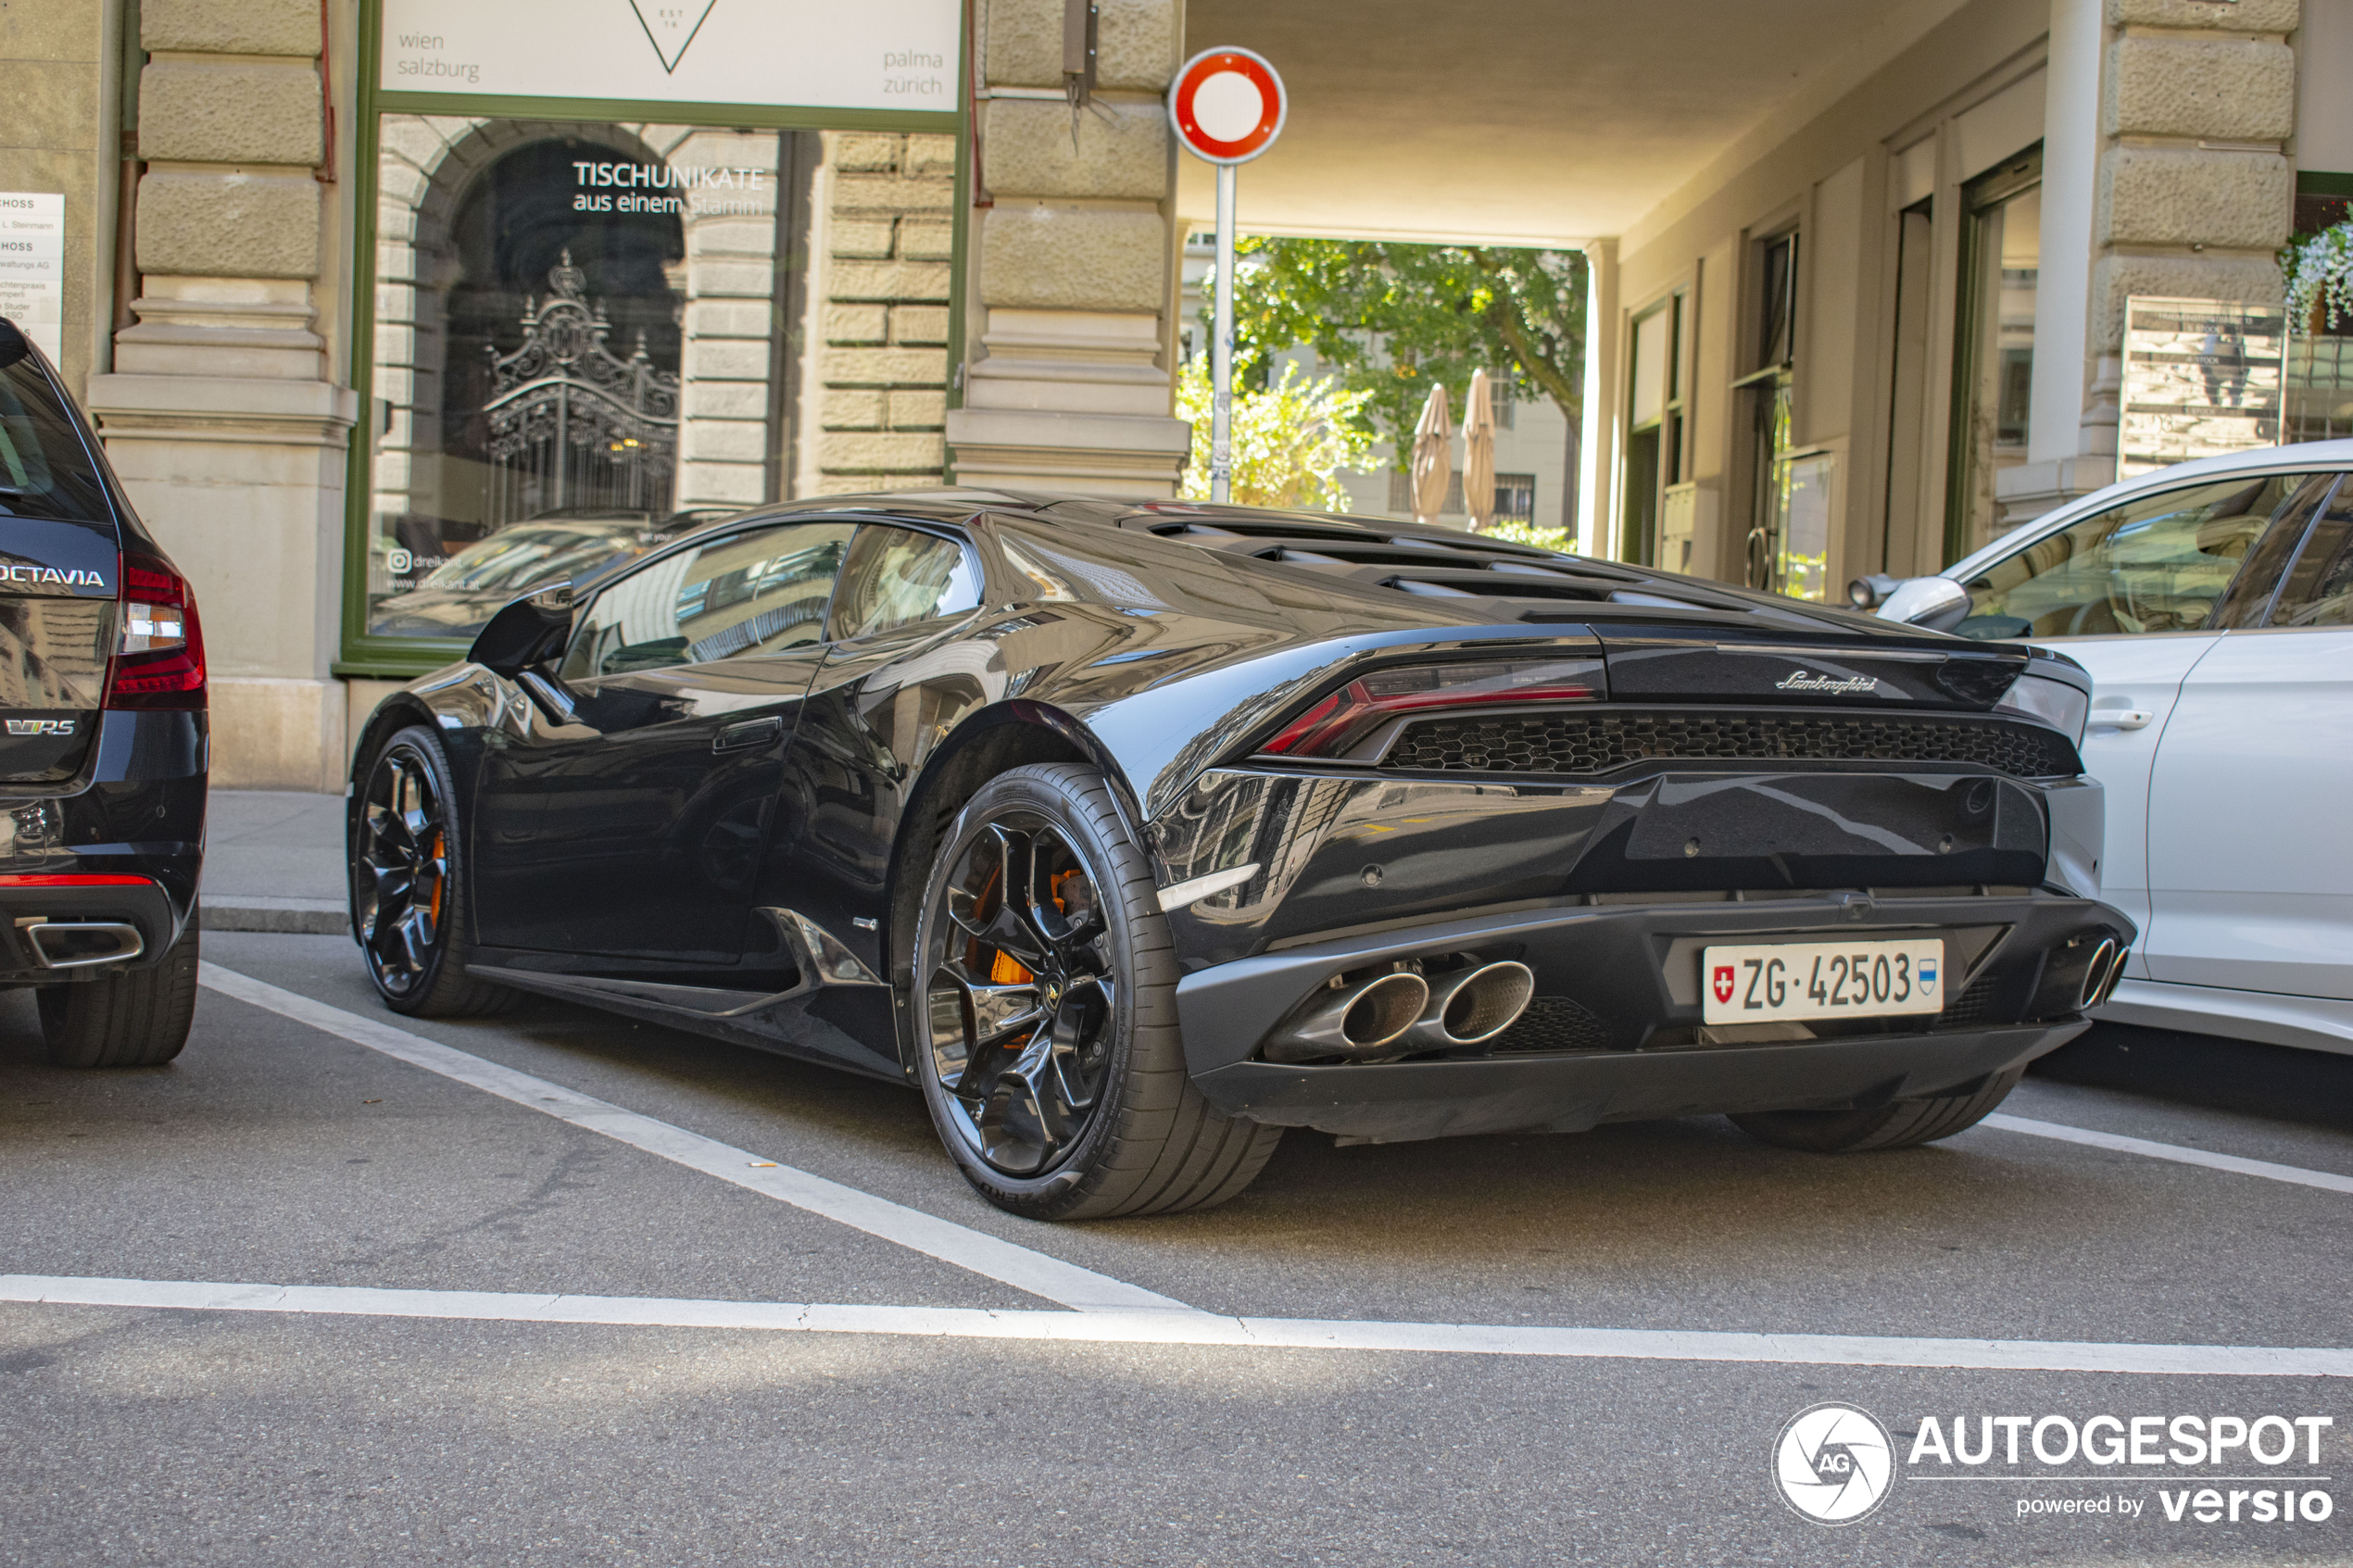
[1723, 982]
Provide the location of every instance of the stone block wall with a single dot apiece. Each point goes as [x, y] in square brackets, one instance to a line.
[2192, 194]
[220, 412]
[878, 368]
[1070, 381]
[2195, 189]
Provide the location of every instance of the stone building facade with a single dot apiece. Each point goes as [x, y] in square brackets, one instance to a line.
[276, 286]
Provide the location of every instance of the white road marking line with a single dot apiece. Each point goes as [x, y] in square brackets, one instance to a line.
[2179, 1153]
[1004, 1261]
[1133, 1327]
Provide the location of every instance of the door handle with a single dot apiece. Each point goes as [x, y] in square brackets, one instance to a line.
[749, 733]
[2123, 717]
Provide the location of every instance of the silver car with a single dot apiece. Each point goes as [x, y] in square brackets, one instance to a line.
[2213, 603]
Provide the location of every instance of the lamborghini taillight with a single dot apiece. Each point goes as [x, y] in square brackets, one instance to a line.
[1338, 724]
[159, 658]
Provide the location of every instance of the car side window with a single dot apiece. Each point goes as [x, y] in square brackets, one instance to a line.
[761, 590]
[897, 577]
[2155, 563]
[2319, 588]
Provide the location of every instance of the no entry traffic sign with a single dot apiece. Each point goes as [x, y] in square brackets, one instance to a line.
[1227, 105]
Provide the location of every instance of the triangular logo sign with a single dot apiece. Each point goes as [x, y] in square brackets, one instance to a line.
[670, 28]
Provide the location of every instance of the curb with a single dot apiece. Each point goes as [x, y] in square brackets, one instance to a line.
[249, 911]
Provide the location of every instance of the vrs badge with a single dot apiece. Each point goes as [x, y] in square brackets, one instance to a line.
[1833, 1464]
[41, 726]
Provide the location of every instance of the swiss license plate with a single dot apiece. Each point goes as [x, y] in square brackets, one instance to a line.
[1764, 984]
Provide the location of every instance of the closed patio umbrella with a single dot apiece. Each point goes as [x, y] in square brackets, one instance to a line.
[1433, 457]
[1478, 452]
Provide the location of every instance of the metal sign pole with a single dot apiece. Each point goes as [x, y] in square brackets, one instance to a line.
[1221, 349]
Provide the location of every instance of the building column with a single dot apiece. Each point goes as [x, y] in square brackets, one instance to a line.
[1598, 444]
[222, 414]
[1071, 382]
[2165, 173]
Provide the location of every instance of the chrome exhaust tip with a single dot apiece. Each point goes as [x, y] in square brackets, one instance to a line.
[1474, 1004]
[2111, 976]
[2097, 972]
[80, 943]
[1352, 1019]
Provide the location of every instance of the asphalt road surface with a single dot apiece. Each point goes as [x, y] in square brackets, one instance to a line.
[558, 1288]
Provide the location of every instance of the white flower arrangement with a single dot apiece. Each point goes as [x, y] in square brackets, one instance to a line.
[2319, 272]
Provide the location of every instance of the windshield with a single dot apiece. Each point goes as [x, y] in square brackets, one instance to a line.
[44, 469]
[524, 557]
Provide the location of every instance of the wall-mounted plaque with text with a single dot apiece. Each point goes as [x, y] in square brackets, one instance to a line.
[2201, 378]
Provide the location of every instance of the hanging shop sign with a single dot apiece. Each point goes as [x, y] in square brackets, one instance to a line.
[2201, 378]
[873, 54]
[32, 266]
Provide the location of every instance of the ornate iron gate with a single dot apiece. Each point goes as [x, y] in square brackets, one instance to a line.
[572, 426]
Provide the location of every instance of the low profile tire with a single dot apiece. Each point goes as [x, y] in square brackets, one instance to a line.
[408, 901]
[1048, 1044]
[1899, 1124]
[138, 1018]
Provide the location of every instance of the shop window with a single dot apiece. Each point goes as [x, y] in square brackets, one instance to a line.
[1654, 457]
[617, 282]
[577, 323]
[1994, 362]
[1787, 548]
[1903, 544]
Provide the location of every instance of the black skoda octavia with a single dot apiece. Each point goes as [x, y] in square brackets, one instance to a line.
[1132, 833]
[103, 746]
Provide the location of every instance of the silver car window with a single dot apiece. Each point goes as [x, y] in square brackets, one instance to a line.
[2319, 588]
[2155, 563]
[758, 591]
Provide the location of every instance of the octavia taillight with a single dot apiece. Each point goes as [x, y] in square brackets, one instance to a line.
[1338, 724]
[158, 660]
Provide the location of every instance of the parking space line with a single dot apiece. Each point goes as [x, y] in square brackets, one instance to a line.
[1008, 1263]
[1126, 1326]
[2179, 1153]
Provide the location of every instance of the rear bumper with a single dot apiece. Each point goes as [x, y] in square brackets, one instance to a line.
[27, 956]
[1403, 1101]
[1617, 1029]
[140, 812]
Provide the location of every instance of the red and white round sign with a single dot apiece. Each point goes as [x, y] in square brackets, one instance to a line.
[1227, 105]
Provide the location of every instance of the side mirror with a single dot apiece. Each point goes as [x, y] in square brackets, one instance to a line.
[1938, 604]
[14, 344]
[529, 631]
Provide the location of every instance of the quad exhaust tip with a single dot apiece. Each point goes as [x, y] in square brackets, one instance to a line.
[1474, 1004]
[1401, 1011]
[2100, 976]
[1352, 1019]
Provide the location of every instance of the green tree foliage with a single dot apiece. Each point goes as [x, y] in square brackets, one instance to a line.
[1290, 440]
[1397, 318]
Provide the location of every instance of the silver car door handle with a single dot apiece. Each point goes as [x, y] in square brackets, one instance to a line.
[2123, 718]
[749, 733]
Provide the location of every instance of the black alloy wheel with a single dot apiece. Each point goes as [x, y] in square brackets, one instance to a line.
[1021, 997]
[407, 902]
[1047, 1049]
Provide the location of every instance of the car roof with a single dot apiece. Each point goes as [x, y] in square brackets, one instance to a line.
[2305, 456]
